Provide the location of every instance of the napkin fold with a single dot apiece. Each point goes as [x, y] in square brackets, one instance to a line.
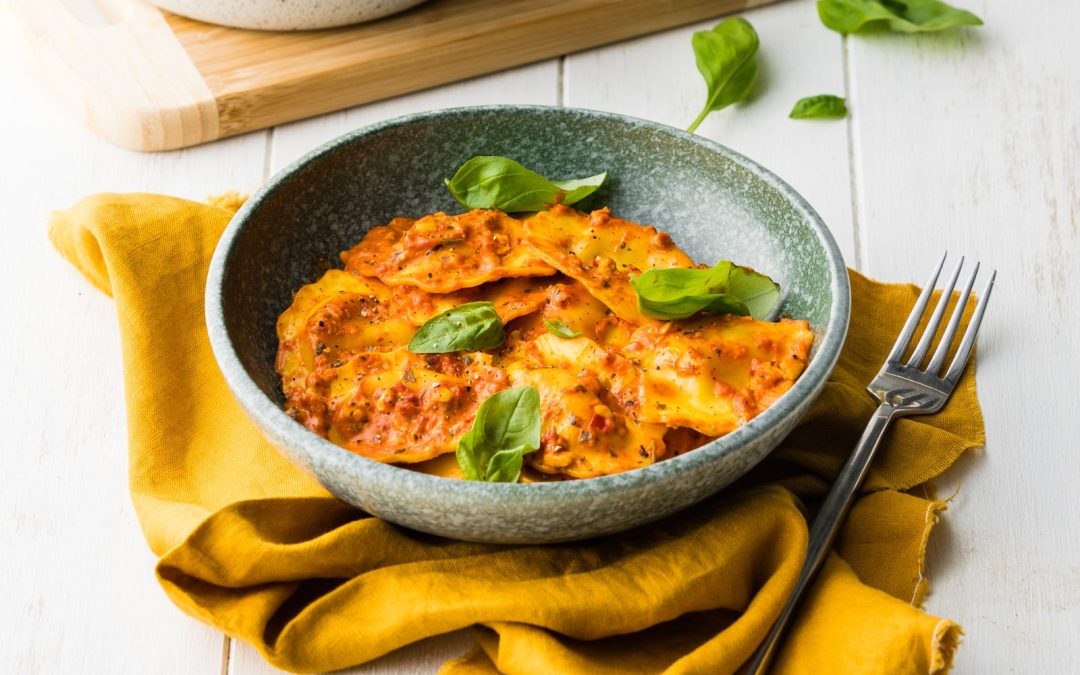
[251, 545]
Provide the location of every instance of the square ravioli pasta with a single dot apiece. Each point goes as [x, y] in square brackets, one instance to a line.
[618, 390]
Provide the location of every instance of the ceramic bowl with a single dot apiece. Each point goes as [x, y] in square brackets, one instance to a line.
[285, 14]
[715, 203]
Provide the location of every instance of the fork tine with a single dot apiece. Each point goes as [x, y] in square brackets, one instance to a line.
[964, 351]
[916, 314]
[954, 322]
[923, 347]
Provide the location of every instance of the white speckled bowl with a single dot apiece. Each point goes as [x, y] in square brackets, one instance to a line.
[715, 203]
[285, 14]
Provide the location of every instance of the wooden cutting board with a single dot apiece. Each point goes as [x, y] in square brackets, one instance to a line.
[149, 80]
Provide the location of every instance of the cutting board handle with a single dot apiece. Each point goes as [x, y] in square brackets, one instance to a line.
[130, 81]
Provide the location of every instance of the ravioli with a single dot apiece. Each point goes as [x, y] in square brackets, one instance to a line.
[585, 358]
[624, 392]
[572, 304]
[398, 406]
[715, 374]
[512, 298]
[331, 318]
[680, 440]
[588, 397]
[602, 252]
[343, 313]
[585, 433]
[444, 465]
[441, 253]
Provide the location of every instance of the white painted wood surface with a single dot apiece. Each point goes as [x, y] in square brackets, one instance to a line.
[655, 78]
[972, 141]
[77, 583]
[968, 140]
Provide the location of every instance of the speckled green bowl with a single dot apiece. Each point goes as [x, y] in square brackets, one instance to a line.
[715, 203]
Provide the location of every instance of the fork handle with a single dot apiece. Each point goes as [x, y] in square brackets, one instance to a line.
[823, 531]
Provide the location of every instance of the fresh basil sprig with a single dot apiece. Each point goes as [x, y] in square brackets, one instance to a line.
[506, 428]
[559, 328]
[822, 106]
[727, 59]
[903, 16]
[725, 288]
[489, 182]
[474, 325]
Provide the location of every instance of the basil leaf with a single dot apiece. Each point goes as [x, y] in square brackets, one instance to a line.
[680, 292]
[505, 466]
[903, 16]
[822, 106]
[559, 328]
[576, 190]
[507, 426]
[756, 291]
[727, 58]
[725, 288]
[474, 325]
[489, 182]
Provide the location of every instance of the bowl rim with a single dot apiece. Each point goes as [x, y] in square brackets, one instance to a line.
[276, 423]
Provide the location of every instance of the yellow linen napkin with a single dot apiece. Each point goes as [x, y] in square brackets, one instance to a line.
[251, 545]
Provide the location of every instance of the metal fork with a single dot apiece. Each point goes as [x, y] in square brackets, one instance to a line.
[902, 388]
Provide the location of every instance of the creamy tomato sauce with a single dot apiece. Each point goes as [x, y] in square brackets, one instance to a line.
[618, 392]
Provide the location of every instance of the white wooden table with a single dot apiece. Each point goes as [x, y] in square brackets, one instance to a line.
[968, 141]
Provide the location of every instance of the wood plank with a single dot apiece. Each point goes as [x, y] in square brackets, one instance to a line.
[78, 587]
[969, 141]
[655, 78]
